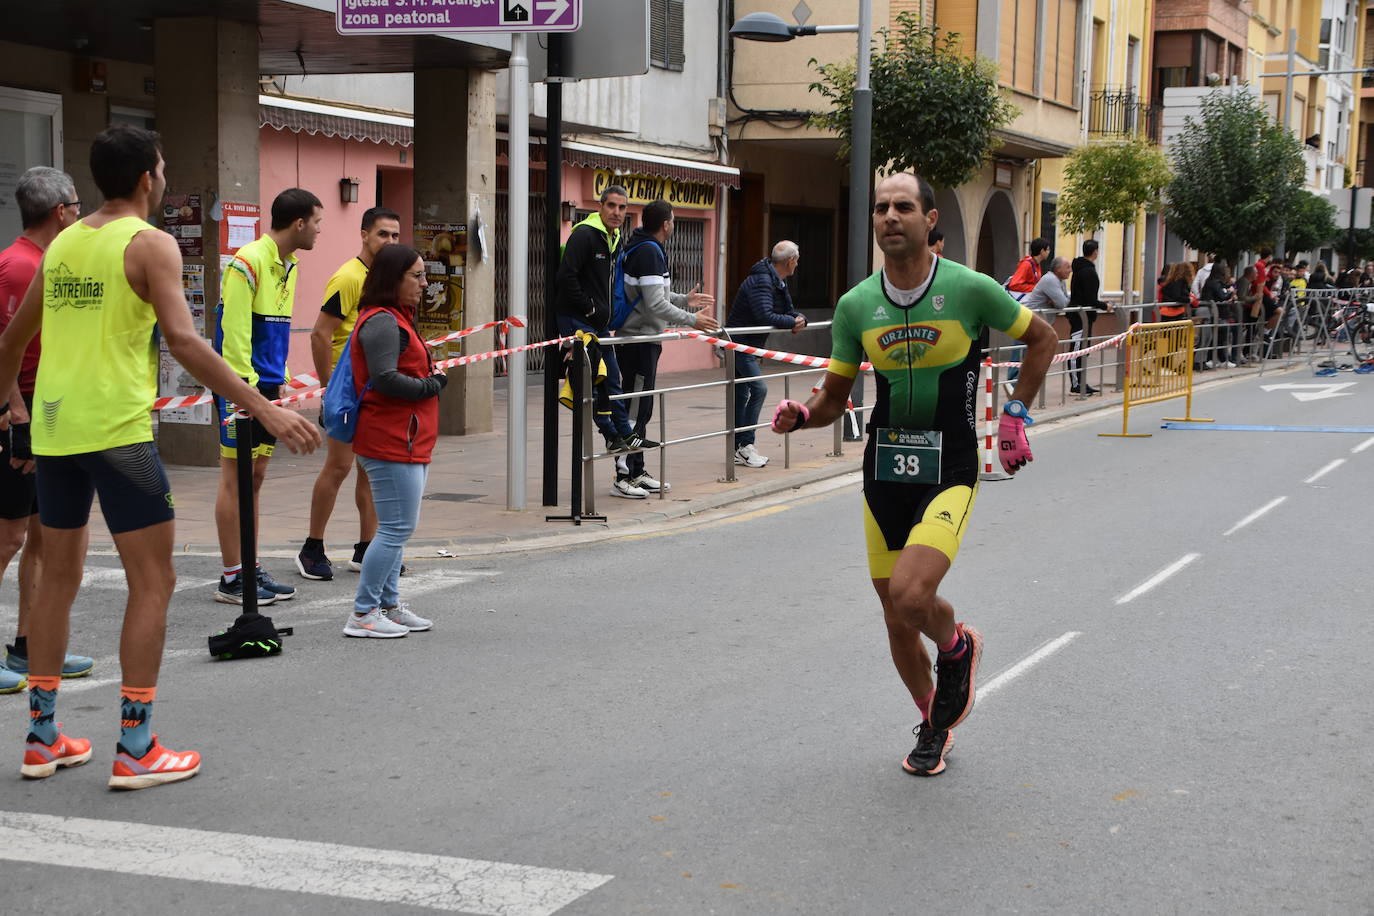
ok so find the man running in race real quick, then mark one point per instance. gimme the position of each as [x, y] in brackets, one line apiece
[381, 227]
[922, 323]
[110, 284]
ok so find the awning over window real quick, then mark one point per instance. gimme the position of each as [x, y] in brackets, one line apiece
[632, 163]
[333, 121]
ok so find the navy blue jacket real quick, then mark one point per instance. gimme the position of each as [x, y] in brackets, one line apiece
[762, 300]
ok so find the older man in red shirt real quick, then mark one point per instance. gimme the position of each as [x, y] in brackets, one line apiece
[47, 205]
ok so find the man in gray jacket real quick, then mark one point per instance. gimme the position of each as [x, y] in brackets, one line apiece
[656, 308]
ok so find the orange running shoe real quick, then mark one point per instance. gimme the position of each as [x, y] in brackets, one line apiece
[42, 760]
[154, 768]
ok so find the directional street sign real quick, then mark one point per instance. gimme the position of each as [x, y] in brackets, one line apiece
[427, 17]
[1305, 392]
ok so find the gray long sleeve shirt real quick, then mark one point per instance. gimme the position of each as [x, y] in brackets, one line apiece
[382, 341]
[1049, 295]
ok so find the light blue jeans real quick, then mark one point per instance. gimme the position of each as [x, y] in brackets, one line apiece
[397, 487]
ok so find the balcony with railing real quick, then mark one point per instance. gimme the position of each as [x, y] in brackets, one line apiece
[1118, 114]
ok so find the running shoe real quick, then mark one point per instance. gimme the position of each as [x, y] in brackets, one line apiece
[374, 624]
[313, 564]
[636, 442]
[615, 445]
[283, 592]
[650, 484]
[232, 592]
[360, 548]
[72, 665]
[401, 614]
[622, 487]
[954, 683]
[12, 681]
[749, 457]
[928, 757]
[154, 768]
[42, 760]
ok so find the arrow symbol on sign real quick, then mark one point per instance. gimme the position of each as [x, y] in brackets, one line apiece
[558, 7]
[1332, 390]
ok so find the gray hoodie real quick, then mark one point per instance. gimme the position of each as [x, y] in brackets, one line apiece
[646, 273]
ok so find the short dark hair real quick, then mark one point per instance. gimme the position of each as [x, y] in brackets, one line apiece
[291, 205]
[934, 236]
[614, 189]
[1038, 245]
[1266, 251]
[655, 215]
[120, 155]
[383, 283]
[1089, 246]
[372, 214]
[923, 190]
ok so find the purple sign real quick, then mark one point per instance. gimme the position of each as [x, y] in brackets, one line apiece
[395, 17]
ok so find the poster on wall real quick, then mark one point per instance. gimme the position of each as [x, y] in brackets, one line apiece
[444, 248]
[239, 225]
[181, 218]
[172, 379]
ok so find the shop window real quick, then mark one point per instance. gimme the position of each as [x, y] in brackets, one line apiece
[686, 250]
[30, 135]
[666, 34]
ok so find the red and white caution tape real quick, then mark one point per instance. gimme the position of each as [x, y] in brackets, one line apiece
[798, 359]
[1075, 354]
[310, 380]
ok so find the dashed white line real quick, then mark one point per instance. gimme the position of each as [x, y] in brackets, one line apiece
[1020, 668]
[1158, 577]
[1362, 446]
[1326, 470]
[296, 866]
[1253, 515]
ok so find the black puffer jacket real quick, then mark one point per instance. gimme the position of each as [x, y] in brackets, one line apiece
[584, 274]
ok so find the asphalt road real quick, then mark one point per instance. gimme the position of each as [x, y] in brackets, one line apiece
[1175, 712]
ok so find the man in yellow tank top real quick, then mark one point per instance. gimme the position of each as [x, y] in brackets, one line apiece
[107, 282]
[381, 227]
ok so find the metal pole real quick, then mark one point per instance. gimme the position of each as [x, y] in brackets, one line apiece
[248, 542]
[553, 224]
[860, 173]
[1281, 241]
[730, 414]
[518, 198]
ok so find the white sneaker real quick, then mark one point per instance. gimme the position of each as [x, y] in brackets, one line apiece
[1208, 365]
[1009, 388]
[401, 614]
[749, 457]
[1230, 365]
[627, 490]
[649, 484]
[375, 624]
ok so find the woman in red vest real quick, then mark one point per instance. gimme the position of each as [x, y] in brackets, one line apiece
[398, 423]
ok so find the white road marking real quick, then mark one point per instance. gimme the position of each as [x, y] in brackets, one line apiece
[1253, 515]
[1326, 470]
[297, 866]
[1158, 577]
[1362, 446]
[1020, 668]
[113, 577]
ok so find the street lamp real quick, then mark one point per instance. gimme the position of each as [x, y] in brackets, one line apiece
[768, 27]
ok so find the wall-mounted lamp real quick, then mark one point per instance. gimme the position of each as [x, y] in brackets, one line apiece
[568, 211]
[348, 190]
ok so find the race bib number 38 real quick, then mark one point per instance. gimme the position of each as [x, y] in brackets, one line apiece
[908, 455]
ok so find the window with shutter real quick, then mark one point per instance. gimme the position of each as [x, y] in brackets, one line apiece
[666, 34]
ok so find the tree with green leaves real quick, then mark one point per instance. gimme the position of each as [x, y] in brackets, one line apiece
[935, 110]
[1309, 223]
[1110, 183]
[1236, 174]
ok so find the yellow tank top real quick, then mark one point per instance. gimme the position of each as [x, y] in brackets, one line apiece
[98, 374]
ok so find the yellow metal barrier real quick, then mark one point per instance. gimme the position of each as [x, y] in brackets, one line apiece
[1159, 366]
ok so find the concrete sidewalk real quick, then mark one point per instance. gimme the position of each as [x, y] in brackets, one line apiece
[465, 512]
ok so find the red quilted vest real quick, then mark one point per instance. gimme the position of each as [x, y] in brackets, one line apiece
[389, 428]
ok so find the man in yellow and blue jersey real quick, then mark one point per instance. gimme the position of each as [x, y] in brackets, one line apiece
[253, 334]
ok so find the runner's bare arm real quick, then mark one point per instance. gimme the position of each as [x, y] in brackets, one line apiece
[322, 344]
[824, 408]
[25, 323]
[1041, 342]
[152, 264]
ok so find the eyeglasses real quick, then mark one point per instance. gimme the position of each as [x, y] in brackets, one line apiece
[417, 274]
[72, 203]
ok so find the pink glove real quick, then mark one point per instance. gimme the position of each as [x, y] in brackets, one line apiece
[780, 427]
[1012, 447]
